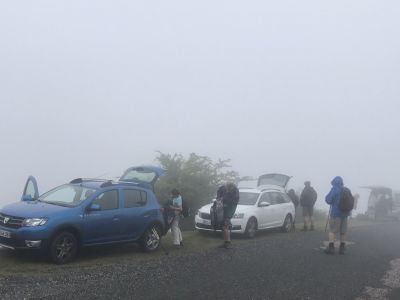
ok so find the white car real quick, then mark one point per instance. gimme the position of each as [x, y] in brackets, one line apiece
[264, 207]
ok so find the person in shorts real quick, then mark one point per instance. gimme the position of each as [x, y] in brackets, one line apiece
[338, 218]
[308, 198]
[230, 199]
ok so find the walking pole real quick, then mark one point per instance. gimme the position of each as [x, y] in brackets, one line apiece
[329, 216]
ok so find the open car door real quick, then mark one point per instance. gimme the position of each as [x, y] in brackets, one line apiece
[274, 179]
[31, 191]
[147, 175]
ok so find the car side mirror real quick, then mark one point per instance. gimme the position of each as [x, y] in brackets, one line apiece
[27, 198]
[264, 204]
[93, 207]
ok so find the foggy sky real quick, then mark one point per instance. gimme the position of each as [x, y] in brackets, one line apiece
[306, 88]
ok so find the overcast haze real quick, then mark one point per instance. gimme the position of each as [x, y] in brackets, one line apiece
[307, 88]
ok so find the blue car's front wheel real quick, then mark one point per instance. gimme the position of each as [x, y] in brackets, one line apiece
[63, 247]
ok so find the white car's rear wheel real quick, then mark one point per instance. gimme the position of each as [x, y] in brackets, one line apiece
[251, 228]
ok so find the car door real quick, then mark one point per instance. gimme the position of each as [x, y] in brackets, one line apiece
[144, 175]
[31, 191]
[265, 211]
[103, 224]
[135, 214]
[277, 208]
[281, 180]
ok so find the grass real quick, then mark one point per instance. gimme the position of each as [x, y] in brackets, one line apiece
[29, 263]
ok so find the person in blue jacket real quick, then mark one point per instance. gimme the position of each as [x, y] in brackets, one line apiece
[338, 218]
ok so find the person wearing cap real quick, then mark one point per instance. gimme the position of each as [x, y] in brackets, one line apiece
[308, 198]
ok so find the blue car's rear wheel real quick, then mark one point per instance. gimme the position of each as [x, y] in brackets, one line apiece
[151, 239]
[63, 247]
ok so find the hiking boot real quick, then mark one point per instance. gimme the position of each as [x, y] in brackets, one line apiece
[330, 249]
[226, 245]
[342, 248]
[305, 228]
[181, 244]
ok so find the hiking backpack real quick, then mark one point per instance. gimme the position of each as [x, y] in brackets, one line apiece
[217, 214]
[185, 209]
[346, 203]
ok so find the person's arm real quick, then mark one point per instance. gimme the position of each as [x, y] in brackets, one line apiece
[177, 204]
[329, 197]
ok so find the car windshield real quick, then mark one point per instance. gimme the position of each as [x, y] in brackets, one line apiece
[67, 195]
[247, 198]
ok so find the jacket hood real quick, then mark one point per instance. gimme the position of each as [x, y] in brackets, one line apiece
[337, 181]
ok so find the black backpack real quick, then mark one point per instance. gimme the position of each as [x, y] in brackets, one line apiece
[217, 214]
[185, 209]
[346, 203]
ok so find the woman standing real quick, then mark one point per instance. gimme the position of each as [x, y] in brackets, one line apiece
[177, 209]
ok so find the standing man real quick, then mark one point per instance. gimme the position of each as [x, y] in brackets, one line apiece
[338, 218]
[308, 198]
[230, 199]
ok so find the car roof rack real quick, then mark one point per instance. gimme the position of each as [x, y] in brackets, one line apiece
[107, 183]
[76, 180]
[81, 180]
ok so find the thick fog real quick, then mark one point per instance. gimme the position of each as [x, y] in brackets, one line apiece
[306, 88]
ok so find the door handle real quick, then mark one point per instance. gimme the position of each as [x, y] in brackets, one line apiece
[116, 219]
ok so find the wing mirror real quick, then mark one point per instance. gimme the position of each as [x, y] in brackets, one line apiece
[27, 198]
[93, 207]
[264, 204]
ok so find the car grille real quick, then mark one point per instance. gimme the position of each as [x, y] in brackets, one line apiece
[10, 221]
[205, 216]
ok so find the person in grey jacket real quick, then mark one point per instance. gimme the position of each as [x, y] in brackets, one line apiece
[308, 198]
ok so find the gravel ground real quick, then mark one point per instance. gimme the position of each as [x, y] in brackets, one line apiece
[273, 266]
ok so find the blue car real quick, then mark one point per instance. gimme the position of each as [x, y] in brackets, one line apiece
[85, 212]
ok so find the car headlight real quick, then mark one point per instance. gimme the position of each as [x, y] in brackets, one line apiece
[238, 216]
[34, 222]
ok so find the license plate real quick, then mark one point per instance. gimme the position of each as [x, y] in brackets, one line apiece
[206, 222]
[5, 234]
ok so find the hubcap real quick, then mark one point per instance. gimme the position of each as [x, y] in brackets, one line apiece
[153, 239]
[64, 248]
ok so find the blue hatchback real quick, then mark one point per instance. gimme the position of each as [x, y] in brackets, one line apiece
[85, 212]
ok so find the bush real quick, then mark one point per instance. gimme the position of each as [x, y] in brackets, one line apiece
[196, 177]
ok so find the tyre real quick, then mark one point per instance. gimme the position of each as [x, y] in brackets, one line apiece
[151, 239]
[251, 228]
[63, 248]
[287, 224]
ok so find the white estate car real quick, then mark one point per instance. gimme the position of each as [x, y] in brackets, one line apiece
[266, 206]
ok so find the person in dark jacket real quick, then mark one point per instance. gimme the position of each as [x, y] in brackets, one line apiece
[308, 198]
[338, 218]
[230, 199]
[295, 200]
